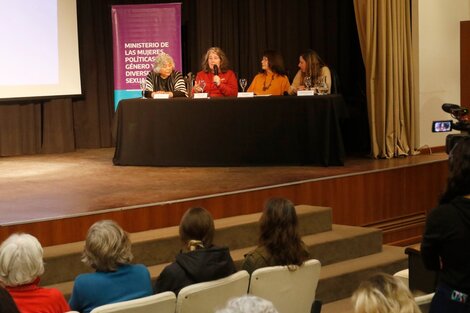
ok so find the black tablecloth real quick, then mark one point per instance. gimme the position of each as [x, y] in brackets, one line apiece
[230, 131]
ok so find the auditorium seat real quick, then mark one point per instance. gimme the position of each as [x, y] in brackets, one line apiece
[289, 291]
[347, 253]
[164, 302]
[423, 300]
[212, 295]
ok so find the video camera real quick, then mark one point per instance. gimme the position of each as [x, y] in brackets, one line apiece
[462, 124]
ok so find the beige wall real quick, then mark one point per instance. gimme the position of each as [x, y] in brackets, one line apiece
[436, 28]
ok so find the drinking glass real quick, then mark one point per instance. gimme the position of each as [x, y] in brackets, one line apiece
[143, 87]
[308, 82]
[243, 83]
[202, 85]
[321, 85]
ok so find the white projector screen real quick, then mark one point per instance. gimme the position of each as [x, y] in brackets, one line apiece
[38, 49]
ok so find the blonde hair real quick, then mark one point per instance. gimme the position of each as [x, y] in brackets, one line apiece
[383, 293]
[20, 259]
[107, 246]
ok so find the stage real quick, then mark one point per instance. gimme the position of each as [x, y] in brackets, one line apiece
[58, 196]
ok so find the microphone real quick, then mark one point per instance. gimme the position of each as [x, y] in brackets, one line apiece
[216, 69]
[454, 109]
[450, 107]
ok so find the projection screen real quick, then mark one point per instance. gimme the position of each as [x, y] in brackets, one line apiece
[38, 49]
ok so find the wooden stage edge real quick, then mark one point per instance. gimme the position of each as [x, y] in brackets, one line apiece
[57, 197]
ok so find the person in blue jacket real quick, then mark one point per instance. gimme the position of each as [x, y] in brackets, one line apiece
[108, 251]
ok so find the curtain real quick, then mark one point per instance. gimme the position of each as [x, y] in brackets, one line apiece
[384, 29]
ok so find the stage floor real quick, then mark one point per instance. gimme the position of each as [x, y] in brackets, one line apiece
[46, 187]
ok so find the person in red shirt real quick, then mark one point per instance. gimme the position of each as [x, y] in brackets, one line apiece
[21, 265]
[216, 78]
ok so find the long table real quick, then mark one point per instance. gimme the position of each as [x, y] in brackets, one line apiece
[230, 131]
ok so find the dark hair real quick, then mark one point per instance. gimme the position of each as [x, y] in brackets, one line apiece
[275, 62]
[458, 182]
[279, 232]
[197, 224]
[314, 64]
[224, 62]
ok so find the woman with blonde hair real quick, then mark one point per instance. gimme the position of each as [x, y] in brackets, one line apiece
[383, 293]
[21, 265]
[219, 80]
[199, 260]
[279, 242]
[108, 251]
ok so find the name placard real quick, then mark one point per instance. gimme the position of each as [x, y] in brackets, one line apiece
[200, 95]
[305, 93]
[245, 94]
[161, 96]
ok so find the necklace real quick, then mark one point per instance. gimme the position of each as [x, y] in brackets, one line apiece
[264, 84]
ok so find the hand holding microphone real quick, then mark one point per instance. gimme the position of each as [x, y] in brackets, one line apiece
[216, 79]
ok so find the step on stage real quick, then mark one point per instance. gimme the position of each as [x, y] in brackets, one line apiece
[57, 197]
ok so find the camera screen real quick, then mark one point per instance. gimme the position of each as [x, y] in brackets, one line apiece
[441, 126]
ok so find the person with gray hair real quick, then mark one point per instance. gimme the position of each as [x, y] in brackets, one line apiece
[164, 79]
[21, 265]
[108, 251]
[248, 304]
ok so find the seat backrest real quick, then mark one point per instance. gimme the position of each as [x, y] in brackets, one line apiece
[424, 302]
[212, 295]
[335, 82]
[164, 302]
[289, 291]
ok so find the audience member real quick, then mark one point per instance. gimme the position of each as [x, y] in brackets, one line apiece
[199, 260]
[272, 80]
[248, 304]
[310, 65]
[7, 304]
[164, 79]
[383, 293]
[279, 242]
[108, 251]
[218, 79]
[21, 265]
[446, 233]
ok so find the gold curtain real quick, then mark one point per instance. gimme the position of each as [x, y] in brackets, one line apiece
[384, 28]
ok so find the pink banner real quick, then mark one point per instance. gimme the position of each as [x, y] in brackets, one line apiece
[140, 32]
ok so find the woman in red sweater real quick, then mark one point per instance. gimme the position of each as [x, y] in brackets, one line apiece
[218, 79]
[21, 265]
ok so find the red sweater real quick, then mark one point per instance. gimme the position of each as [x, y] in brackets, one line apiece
[31, 298]
[228, 84]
